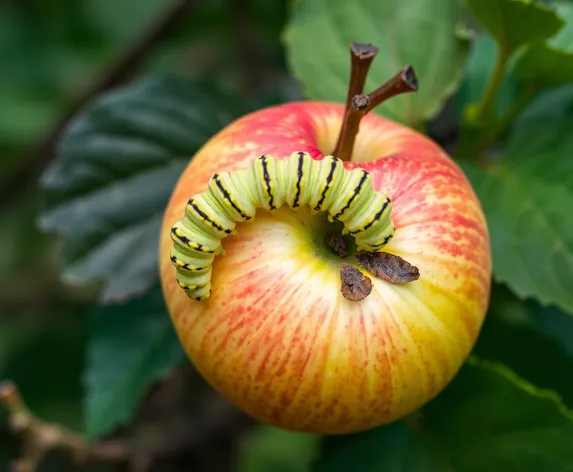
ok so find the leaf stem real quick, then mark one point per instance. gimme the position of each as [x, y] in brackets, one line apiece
[359, 105]
[516, 108]
[505, 122]
[493, 85]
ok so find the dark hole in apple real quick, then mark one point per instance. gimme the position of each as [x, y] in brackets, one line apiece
[338, 244]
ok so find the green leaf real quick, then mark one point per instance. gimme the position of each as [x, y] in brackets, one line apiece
[129, 346]
[555, 102]
[486, 419]
[479, 69]
[394, 448]
[490, 419]
[557, 324]
[550, 321]
[117, 166]
[545, 66]
[269, 449]
[514, 23]
[531, 232]
[564, 38]
[549, 64]
[541, 149]
[418, 32]
[530, 352]
[549, 104]
[527, 200]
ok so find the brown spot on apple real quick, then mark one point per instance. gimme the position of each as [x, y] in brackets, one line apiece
[355, 285]
[389, 267]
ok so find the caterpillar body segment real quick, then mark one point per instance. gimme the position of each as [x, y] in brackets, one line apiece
[238, 181]
[194, 239]
[329, 178]
[229, 198]
[268, 183]
[264, 187]
[357, 185]
[195, 281]
[202, 210]
[197, 292]
[189, 261]
[299, 167]
[267, 177]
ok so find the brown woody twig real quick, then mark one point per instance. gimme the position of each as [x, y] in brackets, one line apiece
[41, 437]
[215, 421]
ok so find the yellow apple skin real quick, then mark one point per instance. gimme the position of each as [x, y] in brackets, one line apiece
[277, 338]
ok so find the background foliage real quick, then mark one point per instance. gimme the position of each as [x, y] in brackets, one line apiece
[91, 346]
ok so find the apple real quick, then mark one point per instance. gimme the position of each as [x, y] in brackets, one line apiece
[277, 337]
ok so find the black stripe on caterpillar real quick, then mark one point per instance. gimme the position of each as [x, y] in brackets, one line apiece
[233, 197]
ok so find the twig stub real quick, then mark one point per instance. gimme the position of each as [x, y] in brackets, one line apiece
[363, 50]
[389, 267]
[361, 57]
[404, 81]
[410, 78]
[355, 286]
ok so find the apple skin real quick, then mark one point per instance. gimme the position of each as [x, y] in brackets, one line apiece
[277, 338]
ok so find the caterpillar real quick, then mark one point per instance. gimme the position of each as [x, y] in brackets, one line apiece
[269, 183]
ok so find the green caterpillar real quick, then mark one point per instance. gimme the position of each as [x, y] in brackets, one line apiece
[232, 197]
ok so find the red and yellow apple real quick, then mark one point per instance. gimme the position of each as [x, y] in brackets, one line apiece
[277, 338]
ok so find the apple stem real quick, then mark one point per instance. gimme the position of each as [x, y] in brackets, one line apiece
[358, 105]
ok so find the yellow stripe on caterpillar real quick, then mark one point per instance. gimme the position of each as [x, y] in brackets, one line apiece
[193, 238]
[191, 263]
[268, 183]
